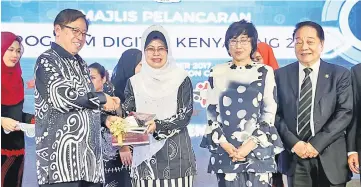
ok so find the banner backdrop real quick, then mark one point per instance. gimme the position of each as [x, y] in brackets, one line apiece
[196, 29]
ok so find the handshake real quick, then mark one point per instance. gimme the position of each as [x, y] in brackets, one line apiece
[112, 104]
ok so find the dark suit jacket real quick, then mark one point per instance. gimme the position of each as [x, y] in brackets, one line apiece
[332, 114]
[354, 130]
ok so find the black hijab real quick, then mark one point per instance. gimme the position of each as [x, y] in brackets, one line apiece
[124, 70]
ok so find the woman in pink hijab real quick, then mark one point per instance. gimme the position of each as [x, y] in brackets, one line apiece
[12, 99]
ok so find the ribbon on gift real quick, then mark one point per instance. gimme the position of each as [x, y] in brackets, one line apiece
[121, 127]
[118, 129]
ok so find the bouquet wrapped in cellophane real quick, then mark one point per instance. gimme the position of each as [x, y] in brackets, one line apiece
[131, 130]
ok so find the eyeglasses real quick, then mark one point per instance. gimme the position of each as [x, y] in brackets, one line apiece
[243, 41]
[76, 31]
[152, 50]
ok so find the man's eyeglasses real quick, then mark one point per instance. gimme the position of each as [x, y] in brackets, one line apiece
[76, 31]
[243, 41]
[152, 50]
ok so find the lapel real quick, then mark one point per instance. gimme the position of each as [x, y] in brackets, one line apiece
[293, 77]
[323, 80]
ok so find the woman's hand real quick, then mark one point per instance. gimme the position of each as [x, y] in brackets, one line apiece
[110, 119]
[244, 150]
[240, 155]
[229, 148]
[112, 103]
[9, 124]
[125, 156]
[151, 126]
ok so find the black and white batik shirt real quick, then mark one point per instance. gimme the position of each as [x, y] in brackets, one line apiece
[67, 119]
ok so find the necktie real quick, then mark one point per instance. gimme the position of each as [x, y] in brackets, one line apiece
[304, 107]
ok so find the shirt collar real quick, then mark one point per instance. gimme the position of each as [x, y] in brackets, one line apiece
[248, 66]
[61, 51]
[315, 67]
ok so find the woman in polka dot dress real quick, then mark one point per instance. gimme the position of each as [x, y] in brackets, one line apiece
[241, 109]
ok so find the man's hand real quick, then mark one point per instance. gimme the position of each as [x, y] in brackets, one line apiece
[151, 126]
[118, 108]
[311, 151]
[9, 124]
[112, 103]
[300, 149]
[353, 163]
[125, 156]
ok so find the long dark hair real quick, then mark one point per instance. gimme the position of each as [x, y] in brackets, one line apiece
[124, 70]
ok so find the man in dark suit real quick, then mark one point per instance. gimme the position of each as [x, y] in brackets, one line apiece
[315, 108]
[353, 131]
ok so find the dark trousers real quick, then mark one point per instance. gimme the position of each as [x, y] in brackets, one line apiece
[277, 180]
[116, 174]
[12, 170]
[277, 177]
[73, 184]
[310, 173]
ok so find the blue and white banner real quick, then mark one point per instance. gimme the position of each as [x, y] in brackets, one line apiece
[196, 30]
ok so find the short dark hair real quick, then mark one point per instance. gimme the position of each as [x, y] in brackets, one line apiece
[67, 16]
[242, 27]
[101, 70]
[316, 26]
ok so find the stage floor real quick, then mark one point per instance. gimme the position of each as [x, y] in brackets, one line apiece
[354, 183]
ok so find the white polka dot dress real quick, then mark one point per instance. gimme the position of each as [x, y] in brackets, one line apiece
[241, 105]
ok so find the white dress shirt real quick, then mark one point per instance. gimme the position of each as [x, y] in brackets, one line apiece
[313, 76]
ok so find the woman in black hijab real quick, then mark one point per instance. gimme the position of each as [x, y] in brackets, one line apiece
[117, 167]
[128, 65]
